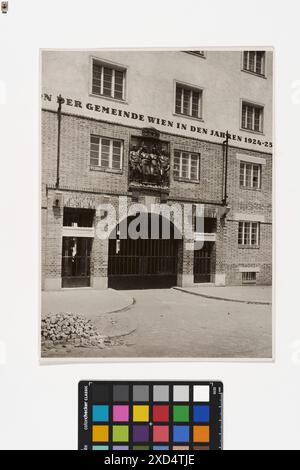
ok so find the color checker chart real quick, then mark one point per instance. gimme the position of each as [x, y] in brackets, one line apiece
[156, 416]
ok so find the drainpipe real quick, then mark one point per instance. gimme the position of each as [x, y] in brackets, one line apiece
[60, 101]
[225, 156]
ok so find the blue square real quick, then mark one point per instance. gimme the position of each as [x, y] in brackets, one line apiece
[160, 447]
[181, 433]
[201, 413]
[100, 413]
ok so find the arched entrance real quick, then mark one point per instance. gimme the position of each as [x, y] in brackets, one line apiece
[145, 261]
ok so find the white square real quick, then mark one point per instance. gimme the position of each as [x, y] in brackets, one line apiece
[201, 393]
[181, 393]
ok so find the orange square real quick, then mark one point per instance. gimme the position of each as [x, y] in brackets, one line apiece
[201, 434]
[100, 433]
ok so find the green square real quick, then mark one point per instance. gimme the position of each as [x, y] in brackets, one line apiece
[181, 413]
[140, 448]
[120, 433]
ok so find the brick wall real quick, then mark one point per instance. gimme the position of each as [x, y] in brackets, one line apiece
[75, 174]
[75, 169]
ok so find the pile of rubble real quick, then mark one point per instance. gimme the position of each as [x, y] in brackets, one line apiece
[67, 328]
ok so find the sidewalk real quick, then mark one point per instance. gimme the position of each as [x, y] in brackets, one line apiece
[106, 308]
[260, 295]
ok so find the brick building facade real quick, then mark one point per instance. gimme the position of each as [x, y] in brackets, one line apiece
[104, 132]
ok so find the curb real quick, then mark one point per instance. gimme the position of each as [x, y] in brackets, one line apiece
[250, 302]
[122, 309]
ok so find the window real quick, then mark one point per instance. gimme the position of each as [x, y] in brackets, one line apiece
[106, 153]
[254, 61]
[249, 277]
[188, 101]
[250, 175]
[248, 234]
[78, 217]
[209, 224]
[108, 81]
[186, 165]
[252, 117]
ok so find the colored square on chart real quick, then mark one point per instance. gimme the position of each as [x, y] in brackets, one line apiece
[201, 448]
[201, 434]
[181, 393]
[180, 447]
[120, 413]
[160, 413]
[140, 413]
[140, 393]
[100, 448]
[100, 413]
[140, 433]
[100, 393]
[201, 393]
[161, 393]
[160, 447]
[120, 447]
[161, 434]
[201, 413]
[181, 433]
[181, 413]
[100, 433]
[120, 393]
[120, 433]
[141, 447]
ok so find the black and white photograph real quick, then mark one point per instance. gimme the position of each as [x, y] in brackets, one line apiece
[156, 204]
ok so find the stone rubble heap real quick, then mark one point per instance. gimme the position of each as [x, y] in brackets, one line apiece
[69, 329]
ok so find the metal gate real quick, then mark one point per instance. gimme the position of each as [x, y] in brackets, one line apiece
[146, 260]
[136, 264]
[76, 253]
[204, 263]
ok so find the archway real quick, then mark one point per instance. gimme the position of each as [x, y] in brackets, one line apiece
[149, 260]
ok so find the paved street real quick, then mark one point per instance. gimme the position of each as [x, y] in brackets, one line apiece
[174, 324]
[171, 323]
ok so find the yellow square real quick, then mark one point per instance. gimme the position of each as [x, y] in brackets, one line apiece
[140, 413]
[100, 433]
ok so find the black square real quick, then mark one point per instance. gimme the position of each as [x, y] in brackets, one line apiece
[121, 392]
[100, 393]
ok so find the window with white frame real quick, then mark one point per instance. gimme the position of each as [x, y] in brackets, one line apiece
[252, 117]
[250, 175]
[188, 101]
[248, 234]
[106, 153]
[108, 80]
[186, 165]
[254, 61]
[249, 277]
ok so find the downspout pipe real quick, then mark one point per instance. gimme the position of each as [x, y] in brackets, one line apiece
[60, 101]
[225, 150]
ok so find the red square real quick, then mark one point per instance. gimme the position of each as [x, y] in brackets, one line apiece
[160, 413]
[160, 433]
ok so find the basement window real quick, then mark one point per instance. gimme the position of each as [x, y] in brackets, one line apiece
[249, 277]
